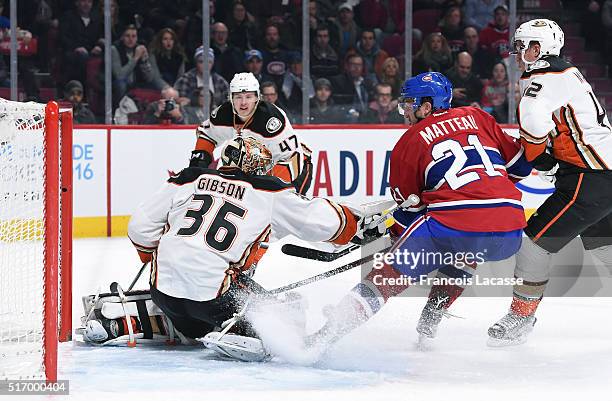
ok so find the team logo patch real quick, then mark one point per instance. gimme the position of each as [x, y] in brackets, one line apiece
[427, 78]
[539, 65]
[539, 23]
[273, 125]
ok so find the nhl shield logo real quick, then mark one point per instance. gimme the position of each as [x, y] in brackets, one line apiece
[273, 125]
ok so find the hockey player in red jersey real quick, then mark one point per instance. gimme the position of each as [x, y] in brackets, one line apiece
[461, 165]
[566, 132]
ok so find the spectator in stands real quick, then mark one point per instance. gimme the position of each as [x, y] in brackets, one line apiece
[390, 74]
[5, 23]
[166, 110]
[452, 27]
[324, 61]
[241, 27]
[117, 22]
[478, 13]
[4, 73]
[289, 28]
[322, 107]
[346, 30]
[383, 110]
[131, 65]
[372, 55]
[606, 20]
[483, 60]
[435, 55]
[467, 89]
[351, 88]
[496, 36]
[495, 94]
[167, 58]
[293, 81]
[253, 62]
[275, 54]
[80, 30]
[193, 30]
[373, 14]
[228, 58]
[193, 113]
[73, 93]
[314, 18]
[188, 84]
[269, 92]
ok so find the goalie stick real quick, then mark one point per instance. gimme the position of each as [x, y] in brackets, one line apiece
[325, 256]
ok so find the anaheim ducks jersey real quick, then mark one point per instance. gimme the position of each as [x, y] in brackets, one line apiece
[204, 225]
[558, 108]
[268, 124]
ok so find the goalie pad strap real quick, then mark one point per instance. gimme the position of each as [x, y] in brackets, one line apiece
[143, 315]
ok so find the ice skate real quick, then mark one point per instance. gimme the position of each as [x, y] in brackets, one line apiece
[511, 329]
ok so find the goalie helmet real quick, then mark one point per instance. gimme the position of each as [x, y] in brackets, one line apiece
[247, 154]
[544, 31]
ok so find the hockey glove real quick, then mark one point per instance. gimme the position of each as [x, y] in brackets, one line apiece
[200, 158]
[368, 229]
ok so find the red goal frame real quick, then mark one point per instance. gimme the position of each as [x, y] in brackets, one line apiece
[57, 248]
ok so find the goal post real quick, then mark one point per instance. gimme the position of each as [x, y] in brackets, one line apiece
[35, 237]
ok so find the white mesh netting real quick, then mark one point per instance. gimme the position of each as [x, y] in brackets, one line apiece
[22, 180]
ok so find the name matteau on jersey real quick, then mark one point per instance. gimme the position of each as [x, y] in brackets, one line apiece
[579, 129]
[454, 161]
[269, 125]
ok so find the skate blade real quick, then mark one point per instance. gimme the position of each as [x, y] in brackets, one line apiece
[246, 349]
[506, 342]
[425, 343]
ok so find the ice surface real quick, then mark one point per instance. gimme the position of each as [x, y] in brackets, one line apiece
[569, 354]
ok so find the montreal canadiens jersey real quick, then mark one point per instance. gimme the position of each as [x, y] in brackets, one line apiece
[462, 166]
[269, 125]
[205, 223]
[558, 107]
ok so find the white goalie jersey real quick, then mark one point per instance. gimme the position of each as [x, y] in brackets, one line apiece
[558, 108]
[204, 224]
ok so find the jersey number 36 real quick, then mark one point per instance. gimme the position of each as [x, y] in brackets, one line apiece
[221, 232]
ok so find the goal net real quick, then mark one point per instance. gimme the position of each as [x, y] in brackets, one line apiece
[35, 237]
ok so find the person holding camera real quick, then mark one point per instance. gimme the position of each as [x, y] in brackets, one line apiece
[166, 110]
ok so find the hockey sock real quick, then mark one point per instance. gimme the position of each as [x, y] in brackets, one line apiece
[364, 301]
[450, 292]
[532, 265]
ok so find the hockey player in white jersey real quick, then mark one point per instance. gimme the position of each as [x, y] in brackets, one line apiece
[567, 135]
[203, 230]
[246, 114]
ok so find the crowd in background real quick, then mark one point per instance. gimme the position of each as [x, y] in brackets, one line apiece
[356, 55]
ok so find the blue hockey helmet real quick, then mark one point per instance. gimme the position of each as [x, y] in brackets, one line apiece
[429, 84]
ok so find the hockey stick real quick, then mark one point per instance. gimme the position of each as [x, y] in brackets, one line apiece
[315, 254]
[137, 276]
[327, 274]
[324, 256]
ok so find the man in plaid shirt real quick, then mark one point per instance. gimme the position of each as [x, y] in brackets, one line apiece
[187, 85]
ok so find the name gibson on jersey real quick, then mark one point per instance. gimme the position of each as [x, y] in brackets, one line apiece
[221, 187]
[448, 126]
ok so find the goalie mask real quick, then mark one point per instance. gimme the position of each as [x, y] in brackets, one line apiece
[247, 154]
[544, 31]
